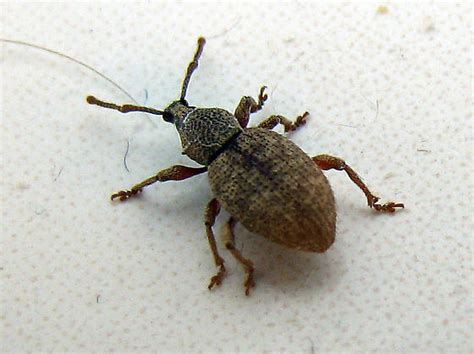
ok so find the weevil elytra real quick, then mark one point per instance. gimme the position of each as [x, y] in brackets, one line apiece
[261, 178]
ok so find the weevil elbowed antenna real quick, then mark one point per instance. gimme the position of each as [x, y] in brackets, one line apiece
[192, 67]
[126, 108]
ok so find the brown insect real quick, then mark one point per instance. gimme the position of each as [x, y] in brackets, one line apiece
[260, 177]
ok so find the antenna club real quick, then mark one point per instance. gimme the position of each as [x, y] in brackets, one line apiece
[91, 100]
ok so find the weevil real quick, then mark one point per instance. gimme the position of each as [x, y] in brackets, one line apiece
[264, 180]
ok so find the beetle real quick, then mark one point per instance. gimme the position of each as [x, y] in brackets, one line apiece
[265, 181]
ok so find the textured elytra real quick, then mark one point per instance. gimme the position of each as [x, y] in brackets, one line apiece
[204, 131]
[274, 189]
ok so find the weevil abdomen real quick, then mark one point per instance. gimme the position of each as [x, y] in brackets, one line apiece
[274, 189]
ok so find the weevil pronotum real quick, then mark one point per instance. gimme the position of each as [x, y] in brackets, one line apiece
[261, 178]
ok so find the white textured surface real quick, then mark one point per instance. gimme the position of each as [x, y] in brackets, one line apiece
[80, 273]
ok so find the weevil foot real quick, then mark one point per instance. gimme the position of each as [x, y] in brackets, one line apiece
[292, 126]
[300, 120]
[124, 195]
[217, 279]
[389, 207]
[249, 283]
[262, 97]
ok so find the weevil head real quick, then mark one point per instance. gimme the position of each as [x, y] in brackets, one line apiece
[177, 111]
[204, 132]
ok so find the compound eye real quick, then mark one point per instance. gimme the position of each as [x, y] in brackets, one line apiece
[168, 117]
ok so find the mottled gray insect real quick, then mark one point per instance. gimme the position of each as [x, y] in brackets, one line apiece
[260, 177]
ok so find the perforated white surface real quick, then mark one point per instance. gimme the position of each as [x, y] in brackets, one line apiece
[389, 90]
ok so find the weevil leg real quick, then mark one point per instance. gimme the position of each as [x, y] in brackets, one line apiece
[212, 210]
[229, 240]
[173, 173]
[327, 162]
[272, 121]
[247, 105]
[126, 108]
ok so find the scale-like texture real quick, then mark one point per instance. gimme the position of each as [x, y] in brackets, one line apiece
[274, 189]
[204, 131]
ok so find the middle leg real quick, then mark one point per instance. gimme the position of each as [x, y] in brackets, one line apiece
[229, 241]
[212, 210]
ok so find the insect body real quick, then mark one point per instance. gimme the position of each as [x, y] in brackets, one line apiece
[261, 178]
[274, 189]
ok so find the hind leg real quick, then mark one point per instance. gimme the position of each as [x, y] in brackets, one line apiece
[327, 162]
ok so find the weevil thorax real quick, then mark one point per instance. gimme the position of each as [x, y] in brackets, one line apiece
[204, 132]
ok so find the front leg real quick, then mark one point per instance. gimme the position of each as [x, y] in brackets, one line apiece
[173, 173]
[272, 121]
[247, 105]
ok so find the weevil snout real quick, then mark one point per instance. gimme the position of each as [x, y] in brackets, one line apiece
[176, 112]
